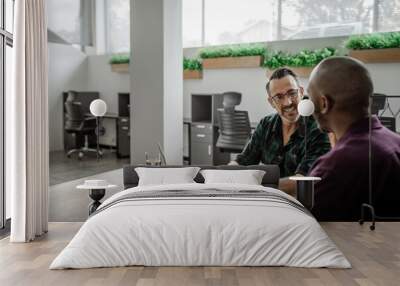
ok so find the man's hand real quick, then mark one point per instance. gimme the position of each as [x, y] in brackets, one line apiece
[288, 186]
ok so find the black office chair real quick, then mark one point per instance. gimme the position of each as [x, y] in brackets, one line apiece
[234, 125]
[379, 105]
[77, 123]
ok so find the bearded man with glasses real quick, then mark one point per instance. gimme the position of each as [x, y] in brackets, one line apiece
[280, 138]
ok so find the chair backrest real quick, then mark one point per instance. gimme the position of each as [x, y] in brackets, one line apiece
[74, 116]
[378, 102]
[230, 100]
[388, 122]
[234, 130]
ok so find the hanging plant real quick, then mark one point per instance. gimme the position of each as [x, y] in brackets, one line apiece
[192, 69]
[301, 63]
[192, 64]
[375, 48]
[233, 56]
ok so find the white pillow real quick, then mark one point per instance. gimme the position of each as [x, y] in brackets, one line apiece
[163, 176]
[248, 177]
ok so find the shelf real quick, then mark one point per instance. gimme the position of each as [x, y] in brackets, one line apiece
[233, 62]
[120, 68]
[187, 74]
[299, 71]
[391, 55]
[192, 74]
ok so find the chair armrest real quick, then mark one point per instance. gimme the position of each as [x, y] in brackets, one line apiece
[89, 118]
[89, 122]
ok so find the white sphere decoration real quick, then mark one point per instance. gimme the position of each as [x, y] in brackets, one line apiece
[98, 107]
[305, 107]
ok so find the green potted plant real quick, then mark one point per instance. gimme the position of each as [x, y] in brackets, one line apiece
[120, 63]
[192, 69]
[301, 63]
[233, 56]
[375, 48]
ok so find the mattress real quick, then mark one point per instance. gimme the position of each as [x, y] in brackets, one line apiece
[201, 225]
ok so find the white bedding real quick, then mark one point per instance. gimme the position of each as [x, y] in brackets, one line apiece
[200, 231]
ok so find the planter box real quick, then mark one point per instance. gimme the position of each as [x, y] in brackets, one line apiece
[192, 74]
[377, 55]
[299, 71]
[233, 62]
[122, 68]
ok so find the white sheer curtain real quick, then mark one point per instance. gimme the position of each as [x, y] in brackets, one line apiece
[27, 124]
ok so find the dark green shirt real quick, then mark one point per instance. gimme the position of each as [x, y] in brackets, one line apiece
[266, 146]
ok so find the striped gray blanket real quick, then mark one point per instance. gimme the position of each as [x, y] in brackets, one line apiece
[206, 194]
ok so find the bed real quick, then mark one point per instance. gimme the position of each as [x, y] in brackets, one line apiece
[198, 224]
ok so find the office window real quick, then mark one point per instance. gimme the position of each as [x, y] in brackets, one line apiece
[8, 82]
[64, 19]
[238, 21]
[388, 16]
[192, 14]
[118, 26]
[325, 18]
[9, 12]
[6, 42]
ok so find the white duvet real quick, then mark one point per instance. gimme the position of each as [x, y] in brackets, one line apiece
[194, 231]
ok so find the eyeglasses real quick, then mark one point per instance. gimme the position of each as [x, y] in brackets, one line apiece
[280, 97]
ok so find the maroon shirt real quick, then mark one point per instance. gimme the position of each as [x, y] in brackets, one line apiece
[344, 173]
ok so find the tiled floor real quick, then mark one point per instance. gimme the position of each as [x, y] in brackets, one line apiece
[64, 169]
[69, 204]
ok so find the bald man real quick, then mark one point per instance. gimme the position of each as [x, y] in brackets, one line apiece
[340, 88]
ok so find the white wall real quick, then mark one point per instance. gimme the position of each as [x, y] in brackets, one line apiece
[156, 79]
[100, 78]
[68, 69]
[386, 80]
[251, 81]
[71, 69]
[173, 82]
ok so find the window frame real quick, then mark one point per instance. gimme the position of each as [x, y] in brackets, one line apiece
[107, 30]
[6, 39]
[375, 19]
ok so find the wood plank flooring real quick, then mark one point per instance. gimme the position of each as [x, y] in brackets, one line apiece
[375, 257]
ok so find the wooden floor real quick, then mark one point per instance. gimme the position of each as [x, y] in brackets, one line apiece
[375, 257]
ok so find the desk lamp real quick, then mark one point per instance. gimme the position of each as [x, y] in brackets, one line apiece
[305, 185]
[98, 108]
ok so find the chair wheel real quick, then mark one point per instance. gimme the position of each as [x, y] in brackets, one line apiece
[68, 156]
[372, 227]
[361, 222]
[80, 155]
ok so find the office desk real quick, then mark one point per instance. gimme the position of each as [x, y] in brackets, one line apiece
[117, 126]
[108, 129]
[122, 135]
[187, 122]
[202, 139]
[117, 135]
